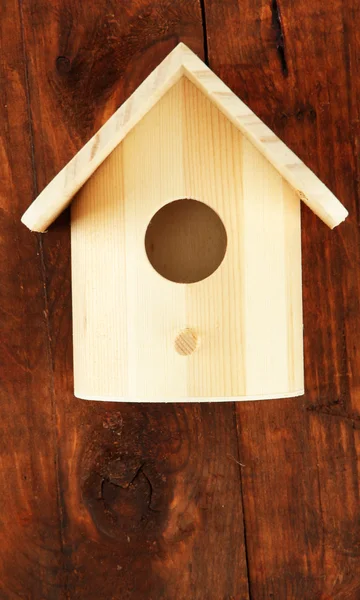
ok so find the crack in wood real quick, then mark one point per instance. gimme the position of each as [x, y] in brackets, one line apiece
[203, 23]
[335, 408]
[280, 39]
[125, 486]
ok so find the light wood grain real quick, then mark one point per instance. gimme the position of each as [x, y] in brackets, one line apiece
[98, 291]
[128, 318]
[58, 194]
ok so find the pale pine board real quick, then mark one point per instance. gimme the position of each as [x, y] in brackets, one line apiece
[247, 314]
[98, 267]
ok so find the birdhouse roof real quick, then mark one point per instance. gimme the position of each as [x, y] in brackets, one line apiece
[181, 62]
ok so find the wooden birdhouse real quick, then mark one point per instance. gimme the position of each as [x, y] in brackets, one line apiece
[186, 246]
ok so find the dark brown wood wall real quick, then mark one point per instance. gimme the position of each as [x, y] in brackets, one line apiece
[256, 500]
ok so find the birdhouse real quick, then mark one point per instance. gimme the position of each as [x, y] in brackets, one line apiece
[186, 246]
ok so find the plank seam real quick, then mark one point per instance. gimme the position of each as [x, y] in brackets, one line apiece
[238, 457]
[204, 28]
[46, 299]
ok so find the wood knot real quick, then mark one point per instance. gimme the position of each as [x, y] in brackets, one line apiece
[186, 342]
[63, 64]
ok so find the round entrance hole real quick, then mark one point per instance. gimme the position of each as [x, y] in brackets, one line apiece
[185, 241]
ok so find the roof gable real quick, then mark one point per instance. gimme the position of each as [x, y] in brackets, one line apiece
[181, 62]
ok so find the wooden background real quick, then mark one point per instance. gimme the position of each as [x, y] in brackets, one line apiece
[257, 500]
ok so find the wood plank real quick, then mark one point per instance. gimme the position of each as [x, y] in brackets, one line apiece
[98, 257]
[268, 270]
[150, 496]
[295, 65]
[30, 524]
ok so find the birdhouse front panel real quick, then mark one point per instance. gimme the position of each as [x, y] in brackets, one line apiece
[186, 264]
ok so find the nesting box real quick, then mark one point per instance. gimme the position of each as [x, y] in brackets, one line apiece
[186, 246]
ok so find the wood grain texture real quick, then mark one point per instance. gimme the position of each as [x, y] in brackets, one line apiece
[300, 461]
[146, 493]
[247, 313]
[30, 533]
[181, 61]
[301, 479]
